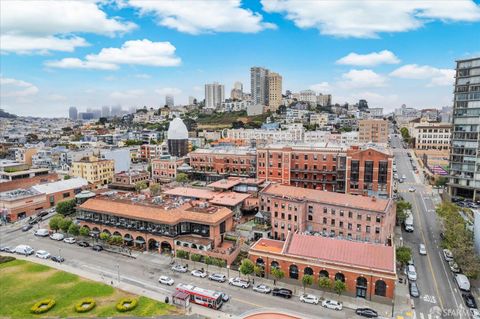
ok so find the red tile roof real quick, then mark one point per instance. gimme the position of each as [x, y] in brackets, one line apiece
[343, 251]
[229, 198]
[269, 245]
[346, 200]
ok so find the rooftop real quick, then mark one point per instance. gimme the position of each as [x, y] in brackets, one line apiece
[269, 245]
[18, 194]
[233, 181]
[225, 150]
[344, 200]
[216, 198]
[60, 186]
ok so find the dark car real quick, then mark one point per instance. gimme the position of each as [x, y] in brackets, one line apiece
[282, 292]
[83, 244]
[7, 249]
[366, 312]
[41, 214]
[442, 235]
[469, 301]
[57, 259]
[27, 227]
[413, 288]
[97, 247]
[35, 220]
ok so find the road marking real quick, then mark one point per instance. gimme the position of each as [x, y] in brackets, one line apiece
[453, 290]
[428, 256]
[430, 299]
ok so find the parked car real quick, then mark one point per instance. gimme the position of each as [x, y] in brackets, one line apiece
[282, 292]
[198, 273]
[332, 304]
[166, 280]
[7, 249]
[413, 288]
[27, 227]
[70, 240]
[179, 268]
[225, 297]
[83, 244]
[24, 250]
[474, 313]
[218, 277]
[97, 247]
[57, 236]
[308, 298]
[264, 289]
[469, 301]
[411, 189]
[422, 250]
[42, 232]
[462, 282]
[454, 267]
[239, 282]
[42, 254]
[447, 254]
[57, 259]
[404, 177]
[366, 312]
[411, 273]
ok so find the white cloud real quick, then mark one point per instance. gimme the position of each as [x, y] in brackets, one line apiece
[361, 79]
[135, 52]
[170, 91]
[200, 16]
[127, 95]
[43, 26]
[56, 98]
[370, 59]
[436, 76]
[368, 18]
[143, 76]
[321, 87]
[16, 88]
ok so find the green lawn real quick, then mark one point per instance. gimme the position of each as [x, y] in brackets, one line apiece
[23, 283]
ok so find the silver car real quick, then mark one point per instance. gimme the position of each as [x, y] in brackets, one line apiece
[264, 289]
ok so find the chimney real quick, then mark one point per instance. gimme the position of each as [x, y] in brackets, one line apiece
[374, 199]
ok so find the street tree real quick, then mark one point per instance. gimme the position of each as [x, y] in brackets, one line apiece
[74, 229]
[258, 270]
[54, 222]
[277, 273]
[104, 236]
[324, 283]
[247, 267]
[139, 186]
[64, 224]
[84, 231]
[307, 280]
[339, 287]
[155, 189]
[404, 254]
[181, 178]
[66, 207]
[402, 207]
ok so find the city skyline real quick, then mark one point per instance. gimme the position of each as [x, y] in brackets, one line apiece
[134, 54]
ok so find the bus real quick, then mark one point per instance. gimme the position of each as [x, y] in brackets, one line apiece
[203, 297]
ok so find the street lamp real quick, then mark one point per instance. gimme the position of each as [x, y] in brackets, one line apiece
[118, 272]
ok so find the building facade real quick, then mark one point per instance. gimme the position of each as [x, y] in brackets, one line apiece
[164, 169]
[274, 91]
[464, 175]
[259, 85]
[214, 95]
[21, 203]
[95, 170]
[373, 131]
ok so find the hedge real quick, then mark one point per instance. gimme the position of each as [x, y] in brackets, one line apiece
[6, 259]
[89, 302]
[123, 307]
[42, 306]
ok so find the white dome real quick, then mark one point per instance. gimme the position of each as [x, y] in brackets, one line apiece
[177, 130]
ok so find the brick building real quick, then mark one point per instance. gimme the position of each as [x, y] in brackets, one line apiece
[164, 169]
[128, 180]
[21, 203]
[295, 209]
[218, 163]
[368, 270]
[373, 131]
[60, 191]
[95, 170]
[365, 171]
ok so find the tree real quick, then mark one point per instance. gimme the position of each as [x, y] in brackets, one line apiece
[247, 267]
[277, 273]
[141, 186]
[66, 207]
[258, 270]
[181, 178]
[155, 189]
[115, 240]
[402, 207]
[441, 181]
[104, 236]
[54, 223]
[195, 258]
[84, 231]
[339, 287]
[307, 280]
[64, 224]
[324, 283]
[66, 177]
[404, 254]
[74, 229]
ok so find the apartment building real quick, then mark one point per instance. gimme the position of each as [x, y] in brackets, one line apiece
[274, 91]
[150, 151]
[127, 180]
[296, 209]
[373, 131]
[95, 170]
[341, 169]
[164, 169]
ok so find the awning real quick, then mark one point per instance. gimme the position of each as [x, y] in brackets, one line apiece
[139, 241]
[128, 239]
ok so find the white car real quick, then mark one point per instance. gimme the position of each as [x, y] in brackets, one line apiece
[166, 280]
[238, 282]
[198, 273]
[179, 268]
[42, 254]
[264, 289]
[475, 313]
[404, 177]
[217, 277]
[422, 250]
[332, 304]
[57, 236]
[411, 189]
[42, 232]
[454, 267]
[70, 240]
[411, 273]
[447, 254]
[311, 299]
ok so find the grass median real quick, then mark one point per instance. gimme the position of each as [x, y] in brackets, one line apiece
[23, 283]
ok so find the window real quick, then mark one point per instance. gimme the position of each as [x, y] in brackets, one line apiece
[369, 218]
[324, 210]
[367, 230]
[359, 216]
[341, 213]
[359, 227]
[332, 222]
[377, 230]
[324, 220]
[333, 212]
[310, 217]
[65, 195]
[350, 214]
[289, 216]
[354, 171]
[378, 219]
[368, 174]
[283, 215]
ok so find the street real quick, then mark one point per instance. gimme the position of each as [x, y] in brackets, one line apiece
[439, 293]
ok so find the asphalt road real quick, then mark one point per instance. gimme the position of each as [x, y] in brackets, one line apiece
[440, 296]
[145, 270]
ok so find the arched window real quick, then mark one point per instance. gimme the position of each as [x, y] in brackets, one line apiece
[362, 282]
[274, 264]
[260, 262]
[293, 273]
[380, 288]
[324, 273]
[340, 276]
[308, 271]
[361, 287]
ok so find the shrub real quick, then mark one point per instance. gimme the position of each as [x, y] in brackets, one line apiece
[182, 254]
[6, 259]
[127, 304]
[42, 306]
[85, 305]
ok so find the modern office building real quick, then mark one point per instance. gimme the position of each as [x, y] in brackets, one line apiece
[464, 178]
[169, 100]
[259, 85]
[274, 91]
[73, 113]
[214, 95]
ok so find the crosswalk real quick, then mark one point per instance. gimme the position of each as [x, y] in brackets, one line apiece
[428, 316]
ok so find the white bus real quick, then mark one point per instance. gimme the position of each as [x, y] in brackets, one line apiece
[204, 297]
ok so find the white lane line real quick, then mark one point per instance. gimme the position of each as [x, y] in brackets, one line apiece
[448, 280]
[422, 315]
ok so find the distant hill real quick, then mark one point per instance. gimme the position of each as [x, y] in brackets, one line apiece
[7, 115]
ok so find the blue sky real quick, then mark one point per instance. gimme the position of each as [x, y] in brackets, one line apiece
[131, 52]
